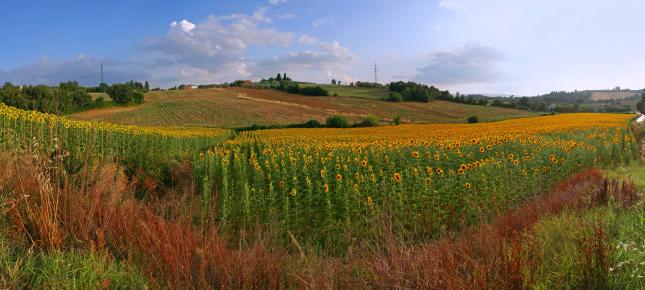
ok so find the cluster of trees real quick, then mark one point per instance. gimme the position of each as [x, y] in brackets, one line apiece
[104, 88]
[286, 84]
[66, 98]
[522, 103]
[278, 78]
[366, 85]
[480, 100]
[294, 88]
[131, 92]
[69, 97]
[415, 92]
[127, 93]
[411, 91]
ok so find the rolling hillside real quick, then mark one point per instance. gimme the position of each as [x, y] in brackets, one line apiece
[357, 92]
[614, 95]
[235, 107]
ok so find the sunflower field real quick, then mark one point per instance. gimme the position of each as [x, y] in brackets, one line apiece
[46, 133]
[332, 186]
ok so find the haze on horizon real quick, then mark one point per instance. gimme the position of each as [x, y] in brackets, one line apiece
[516, 47]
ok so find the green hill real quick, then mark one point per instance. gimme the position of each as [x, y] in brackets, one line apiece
[236, 107]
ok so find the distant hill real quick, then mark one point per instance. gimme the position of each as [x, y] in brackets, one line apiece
[238, 107]
[614, 101]
[614, 95]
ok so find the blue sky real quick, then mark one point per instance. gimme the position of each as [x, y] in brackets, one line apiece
[496, 46]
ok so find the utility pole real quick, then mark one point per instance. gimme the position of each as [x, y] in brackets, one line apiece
[375, 74]
[102, 75]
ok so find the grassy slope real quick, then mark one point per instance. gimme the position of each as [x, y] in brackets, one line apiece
[235, 107]
[346, 91]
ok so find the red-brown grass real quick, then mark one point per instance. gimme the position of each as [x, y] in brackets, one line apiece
[101, 214]
[493, 255]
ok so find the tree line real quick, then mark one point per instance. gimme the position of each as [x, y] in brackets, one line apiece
[557, 101]
[561, 102]
[415, 92]
[69, 97]
[284, 83]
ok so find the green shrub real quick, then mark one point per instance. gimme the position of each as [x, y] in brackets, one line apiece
[291, 87]
[397, 120]
[473, 119]
[100, 102]
[316, 91]
[138, 97]
[369, 121]
[313, 123]
[337, 121]
[395, 97]
[121, 93]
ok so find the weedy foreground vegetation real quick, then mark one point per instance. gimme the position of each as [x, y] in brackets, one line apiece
[504, 205]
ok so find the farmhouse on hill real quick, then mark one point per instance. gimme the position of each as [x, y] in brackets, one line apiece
[188, 87]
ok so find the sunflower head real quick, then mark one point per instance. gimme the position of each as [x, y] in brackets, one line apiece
[397, 177]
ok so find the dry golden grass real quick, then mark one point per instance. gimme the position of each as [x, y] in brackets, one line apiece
[234, 107]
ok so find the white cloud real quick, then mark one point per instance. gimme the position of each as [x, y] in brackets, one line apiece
[323, 21]
[184, 25]
[217, 40]
[277, 2]
[329, 58]
[448, 4]
[308, 40]
[470, 64]
[217, 49]
[82, 68]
